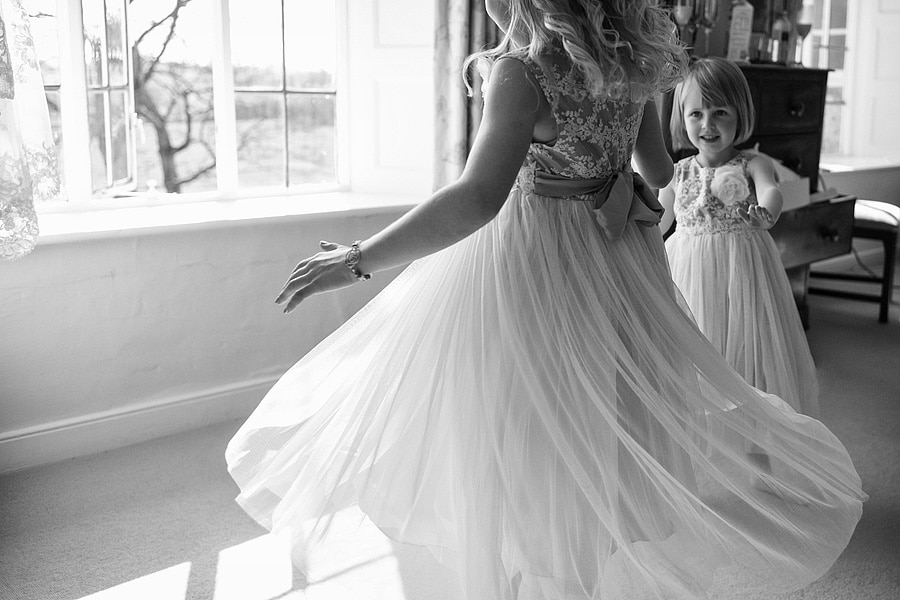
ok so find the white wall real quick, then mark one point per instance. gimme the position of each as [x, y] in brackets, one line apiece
[125, 337]
[391, 93]
[874, 86]
[112, 341]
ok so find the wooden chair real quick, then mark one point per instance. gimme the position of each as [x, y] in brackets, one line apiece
[877, 221]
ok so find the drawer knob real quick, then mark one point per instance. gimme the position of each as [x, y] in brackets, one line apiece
[831, 234]
[798, 107]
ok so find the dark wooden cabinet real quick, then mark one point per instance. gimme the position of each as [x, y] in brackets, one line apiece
[790, 109]
[808, 234]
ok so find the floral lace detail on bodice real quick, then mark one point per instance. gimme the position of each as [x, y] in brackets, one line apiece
[596, 136]
[707, 199]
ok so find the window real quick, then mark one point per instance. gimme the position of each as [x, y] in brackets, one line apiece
[191, 96]
[826, 48]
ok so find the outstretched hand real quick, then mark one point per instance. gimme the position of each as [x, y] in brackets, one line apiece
[757, 216]
[322, 272]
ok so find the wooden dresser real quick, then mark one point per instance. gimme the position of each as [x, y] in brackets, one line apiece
[790, 109]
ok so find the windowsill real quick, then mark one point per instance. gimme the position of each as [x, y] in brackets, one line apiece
[68, 226]
[834, 163]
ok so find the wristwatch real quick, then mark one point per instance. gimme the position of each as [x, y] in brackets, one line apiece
[352, 262]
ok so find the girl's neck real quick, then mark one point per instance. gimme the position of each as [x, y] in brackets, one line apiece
[711, 161]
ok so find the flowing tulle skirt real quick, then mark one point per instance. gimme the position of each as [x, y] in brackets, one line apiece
[741, 298]
[534, 406]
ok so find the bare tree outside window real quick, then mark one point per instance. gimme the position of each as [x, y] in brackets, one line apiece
[173, 94]
[141, 116]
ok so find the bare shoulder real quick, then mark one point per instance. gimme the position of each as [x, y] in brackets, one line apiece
[513, 84]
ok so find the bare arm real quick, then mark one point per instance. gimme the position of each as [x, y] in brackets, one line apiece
[650, 156]
[458, 210]
[511, 111]
[667, 199]
[768, 195]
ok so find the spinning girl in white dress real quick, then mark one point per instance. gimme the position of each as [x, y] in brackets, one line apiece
[528, 398]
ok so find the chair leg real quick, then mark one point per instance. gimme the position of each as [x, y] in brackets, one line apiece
[887, 280]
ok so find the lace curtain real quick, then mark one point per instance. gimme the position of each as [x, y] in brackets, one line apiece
[29, 163]
[462, 27]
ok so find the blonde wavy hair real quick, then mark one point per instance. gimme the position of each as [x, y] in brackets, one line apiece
[624, 48]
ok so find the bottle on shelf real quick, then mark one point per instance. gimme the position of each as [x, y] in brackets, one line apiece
[740, 31]
[781, 39]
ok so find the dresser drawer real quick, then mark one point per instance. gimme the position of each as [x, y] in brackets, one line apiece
[787, 99]
[790, 107]
[815, 232]
[798, 152]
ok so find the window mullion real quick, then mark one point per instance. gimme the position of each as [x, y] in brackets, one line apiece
[73, 100]
[223, 102]
[285, 105]
[342, 103]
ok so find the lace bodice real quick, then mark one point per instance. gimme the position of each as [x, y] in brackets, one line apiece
[698, 208]
[596, 136]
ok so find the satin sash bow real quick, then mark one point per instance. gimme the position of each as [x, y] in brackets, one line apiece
[617, 200]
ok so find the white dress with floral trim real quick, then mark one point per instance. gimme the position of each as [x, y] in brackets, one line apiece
[535, 406]
[732, 278]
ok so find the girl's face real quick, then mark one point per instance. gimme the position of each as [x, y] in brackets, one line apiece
[711, 129]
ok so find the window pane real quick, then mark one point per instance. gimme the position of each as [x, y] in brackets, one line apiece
[118, 115]
[173, 94]
[98, 150]
[260, 139]
[837, 51]
[838, 14]
[819, 54]
[94, 42]
[818, 11]
[310, 45]
[44, 30]
[115, 42]
[196, 163]
[256, 51]
[54, 107]
[311, 138]
[831, 129]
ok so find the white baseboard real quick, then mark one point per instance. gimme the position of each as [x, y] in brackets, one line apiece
[108, 430]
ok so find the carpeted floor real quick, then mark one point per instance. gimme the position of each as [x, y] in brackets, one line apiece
[158, 521]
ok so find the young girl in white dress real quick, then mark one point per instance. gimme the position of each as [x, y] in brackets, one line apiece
[721, 255]
[528, 399]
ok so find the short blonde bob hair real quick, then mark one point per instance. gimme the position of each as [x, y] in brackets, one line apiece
[721, 83]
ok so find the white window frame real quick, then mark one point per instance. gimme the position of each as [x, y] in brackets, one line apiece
[838, 78]
[74, 123]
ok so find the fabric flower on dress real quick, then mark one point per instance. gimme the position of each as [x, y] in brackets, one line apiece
[729, 185]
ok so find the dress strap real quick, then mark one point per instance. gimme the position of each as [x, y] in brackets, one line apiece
[618, 199]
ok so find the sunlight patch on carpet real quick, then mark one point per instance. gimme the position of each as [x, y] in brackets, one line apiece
[168, 584]
[258, 569]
